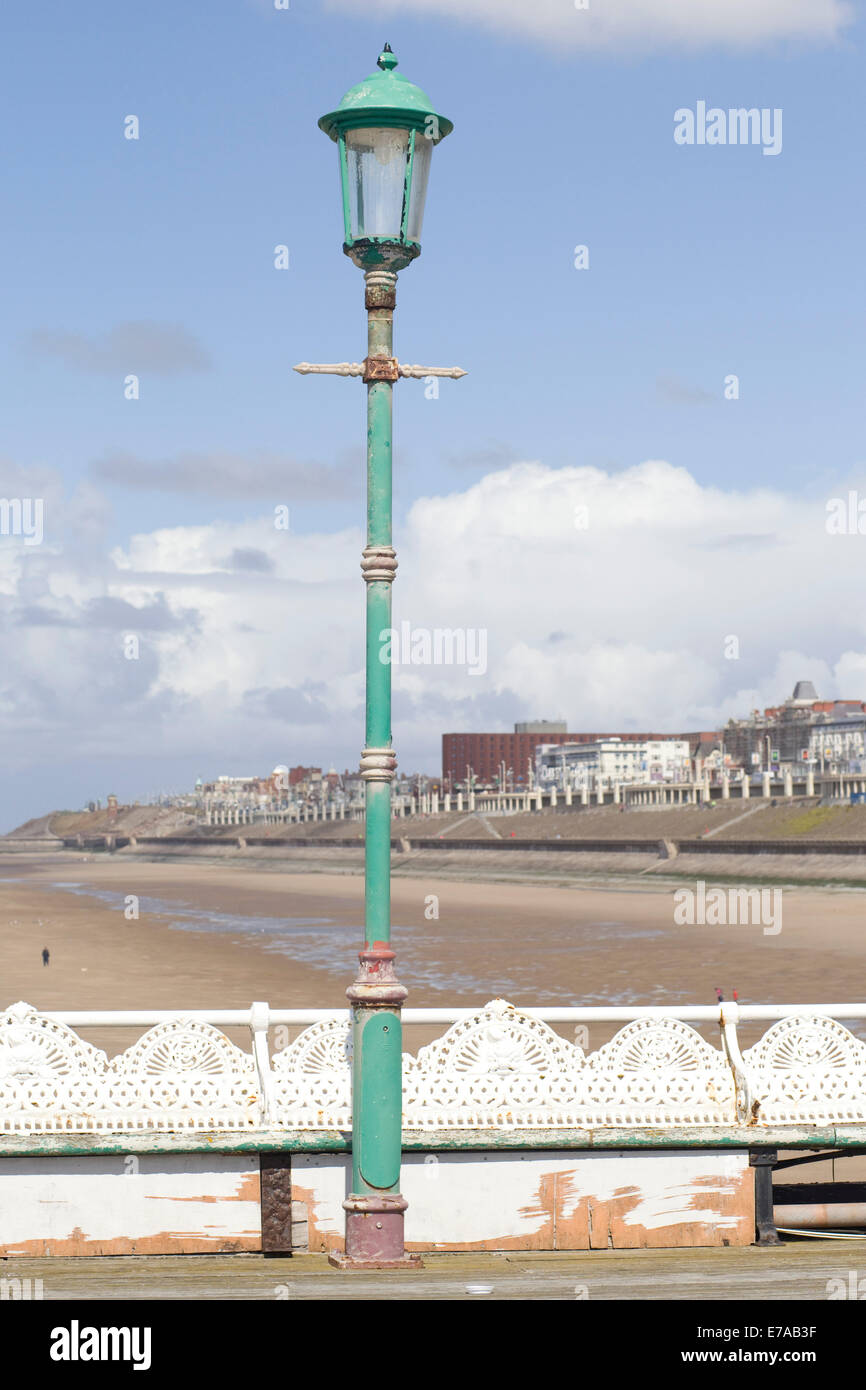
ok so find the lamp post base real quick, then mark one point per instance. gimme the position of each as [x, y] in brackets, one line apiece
[374, 1233]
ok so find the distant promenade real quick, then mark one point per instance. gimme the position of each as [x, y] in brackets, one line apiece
[790, 839]
[766, 785]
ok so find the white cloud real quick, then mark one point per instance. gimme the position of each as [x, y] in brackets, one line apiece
[632, 24]
[618, 622]
[621, 621]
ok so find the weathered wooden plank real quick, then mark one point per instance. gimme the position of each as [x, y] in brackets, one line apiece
[809, 1270]
[550, 1201]
[175, 1203]
[429, 1141]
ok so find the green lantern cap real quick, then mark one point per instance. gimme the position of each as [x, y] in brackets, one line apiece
[385, 98]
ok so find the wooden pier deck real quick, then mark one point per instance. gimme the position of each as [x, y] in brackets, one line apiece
[799, 1269]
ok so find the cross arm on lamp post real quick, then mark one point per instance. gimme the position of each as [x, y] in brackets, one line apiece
[363, 369]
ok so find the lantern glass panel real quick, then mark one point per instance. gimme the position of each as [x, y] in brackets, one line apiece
[418, 191]
[376, 167]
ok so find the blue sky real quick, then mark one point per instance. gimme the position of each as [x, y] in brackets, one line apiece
[703, 262]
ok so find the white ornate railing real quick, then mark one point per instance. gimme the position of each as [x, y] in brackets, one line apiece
[495, 1068]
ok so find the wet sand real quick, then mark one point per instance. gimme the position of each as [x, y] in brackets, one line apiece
[212, 935]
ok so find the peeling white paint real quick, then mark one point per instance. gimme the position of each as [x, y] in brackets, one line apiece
[127, 1197]
[473, 1198]
[668, 1184]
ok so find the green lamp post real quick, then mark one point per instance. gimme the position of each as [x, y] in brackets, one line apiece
[385, 129]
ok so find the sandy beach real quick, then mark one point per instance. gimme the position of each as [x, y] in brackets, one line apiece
[210, 935]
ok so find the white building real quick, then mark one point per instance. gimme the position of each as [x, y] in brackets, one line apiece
[612, 760]
[838, 744]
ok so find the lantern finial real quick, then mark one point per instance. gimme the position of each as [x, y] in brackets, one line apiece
[386, 60]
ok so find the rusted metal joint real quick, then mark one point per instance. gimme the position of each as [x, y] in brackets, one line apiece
[378, 764]
[380, 289]
[379, 562]
[377, 996]
[374, 1233]
[381, 369]
[375, 1202]
[377, 962]
[377, 984]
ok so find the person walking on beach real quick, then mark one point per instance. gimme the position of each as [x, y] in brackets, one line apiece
[45, 955]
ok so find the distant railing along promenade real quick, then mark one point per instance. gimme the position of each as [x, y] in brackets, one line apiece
[166, 844]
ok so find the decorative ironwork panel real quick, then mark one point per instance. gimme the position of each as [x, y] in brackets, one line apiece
[499, 1068]
[505, 1068]
[312, 1078]
[808, 1069]
[183, 1074]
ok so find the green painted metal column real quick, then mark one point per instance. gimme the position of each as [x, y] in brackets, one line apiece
[377, 871]
[375, 1207]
